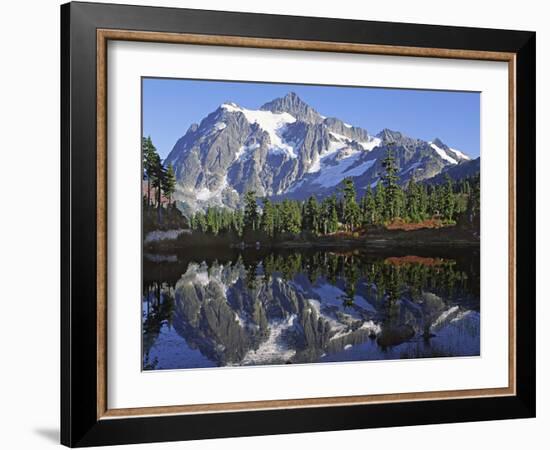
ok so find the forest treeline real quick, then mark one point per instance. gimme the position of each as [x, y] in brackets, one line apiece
[448, 203]
[384, 277]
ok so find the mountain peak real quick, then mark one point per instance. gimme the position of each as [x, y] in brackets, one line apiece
[292, 104]
[291, 98]
[292, 95]
[453, 152]
[439, 143]
[229, 106]
[286, 149]
[388, 135]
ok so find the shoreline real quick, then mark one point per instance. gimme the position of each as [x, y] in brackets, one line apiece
[379, 239]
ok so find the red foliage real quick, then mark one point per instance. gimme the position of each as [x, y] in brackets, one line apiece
[410, 259]
[400, 224]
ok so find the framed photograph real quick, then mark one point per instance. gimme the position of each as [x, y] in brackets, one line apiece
[276, 224]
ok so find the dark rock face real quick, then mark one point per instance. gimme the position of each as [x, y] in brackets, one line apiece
[467, 169]
[286, 148]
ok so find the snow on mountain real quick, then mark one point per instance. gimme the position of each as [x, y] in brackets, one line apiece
[459, 153]
[443, 154]
[448, 153]
[333, 174]
[286, 148]
[274, 348]
[205, 194]
[245, 151]
[272, 123]
[372, 143]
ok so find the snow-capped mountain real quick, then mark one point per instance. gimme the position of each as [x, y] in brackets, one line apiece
[286, 148]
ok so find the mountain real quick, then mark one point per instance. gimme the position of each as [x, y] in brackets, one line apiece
[287, 149]
[467, 169]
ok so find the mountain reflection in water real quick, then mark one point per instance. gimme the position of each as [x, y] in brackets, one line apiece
[255, 307]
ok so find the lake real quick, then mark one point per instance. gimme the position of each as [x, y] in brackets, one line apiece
[244, 307]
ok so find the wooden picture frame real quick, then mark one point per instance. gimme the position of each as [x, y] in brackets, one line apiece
[86, 418]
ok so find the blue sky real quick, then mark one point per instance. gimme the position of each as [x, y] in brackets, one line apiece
[170, 106]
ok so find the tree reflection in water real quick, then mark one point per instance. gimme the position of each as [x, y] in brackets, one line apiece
[290, 306]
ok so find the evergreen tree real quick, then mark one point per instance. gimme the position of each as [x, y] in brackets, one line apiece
[333, 222]
[447, 199]
[150, 162]
[435, 201]
[311, 215]
[328, 216]
[380, 200]
[473, 204]
[369, 208]
[423, 202]
[290, 219]
[268, 218]
[211, 221]
[350, 209]
[413, 210]
[363, 210]
[169, 183]
[237, 222]
[158, 177]
[200, 222]
[389, 179]
[251, 215]
[400, 202]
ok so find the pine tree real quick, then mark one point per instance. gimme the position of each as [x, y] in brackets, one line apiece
[333, 222]
[413, 201]
[369, 212]
[448, 200]
[150, 161]
[473, 203]
[251, 215]
[211, 221]
[423, 203]
[311, 215]
[169, 183]
[285, 216]
[380, 199]
[268, 218]
[158, 176]
[435, 201]
[389, 179]
[237, 222]
[400, 202]
[144, 162]
[200, 222]
[350, 209]
[292, 216]
[328, 216]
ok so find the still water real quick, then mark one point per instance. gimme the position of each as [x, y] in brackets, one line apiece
[258, 307]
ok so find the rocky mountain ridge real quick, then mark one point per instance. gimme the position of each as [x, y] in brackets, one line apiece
[288, 149]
